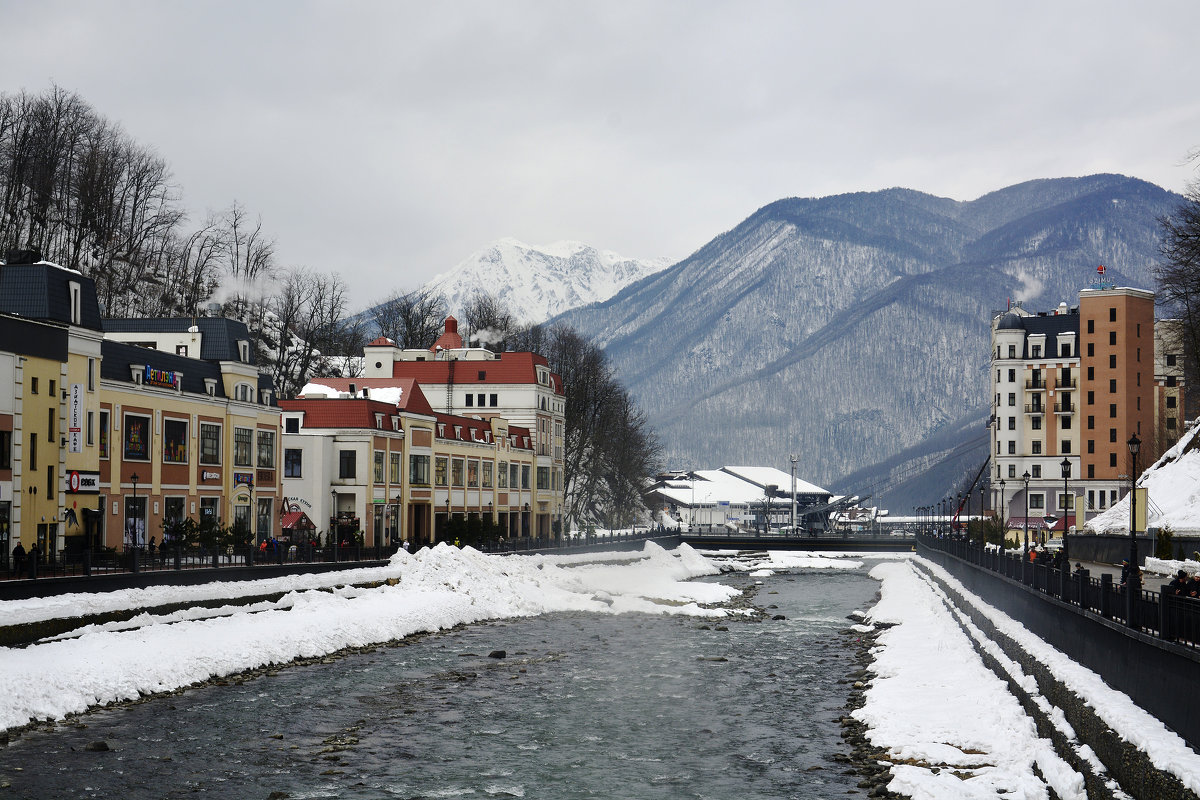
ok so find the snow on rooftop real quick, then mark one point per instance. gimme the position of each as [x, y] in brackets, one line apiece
[384, 394]
[766, 476]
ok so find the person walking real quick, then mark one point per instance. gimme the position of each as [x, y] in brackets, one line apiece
[18, 555]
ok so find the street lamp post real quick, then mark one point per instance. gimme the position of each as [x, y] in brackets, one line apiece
[982, 533]
[1133, 584]
[1025, 478]
[793, 494]
[331, 537]
[1066, 475]
[1003, 519]
[958, 508]
[133, 532]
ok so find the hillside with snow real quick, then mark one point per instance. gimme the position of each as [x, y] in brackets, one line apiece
[1172, 487]
[540, 281]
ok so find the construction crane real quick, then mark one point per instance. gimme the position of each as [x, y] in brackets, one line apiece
[966, 498]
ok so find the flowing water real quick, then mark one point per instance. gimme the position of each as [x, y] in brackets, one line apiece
[584, 706]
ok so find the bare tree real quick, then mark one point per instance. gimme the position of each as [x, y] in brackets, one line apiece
[1178, 276]
[487, 321]
[411, 320]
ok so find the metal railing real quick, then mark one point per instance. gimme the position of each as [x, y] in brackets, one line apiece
[1171, 618]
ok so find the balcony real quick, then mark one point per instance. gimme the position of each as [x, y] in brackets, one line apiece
[1035, 408]
[1035, 385]
[1068, 383]
[1064, 408]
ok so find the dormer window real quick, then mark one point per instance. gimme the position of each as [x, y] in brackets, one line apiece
[243, 351]
[244, 392]
[136, 372]
[76, 304]
[441, 430]
[458, 432]
[378, 419]
[396, 425]
[210, 387]
[266, 397]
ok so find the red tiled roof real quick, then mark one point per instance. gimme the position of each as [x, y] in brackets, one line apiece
[382, 341]
[296, 519]
[351, 412]
[480, 426]
[507, 368]
[449, 340]
[412, 399]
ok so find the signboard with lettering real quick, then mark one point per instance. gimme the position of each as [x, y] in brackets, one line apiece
[209, 475]
[165, 378]
[79, 482]
[243, 477]
[75, 420]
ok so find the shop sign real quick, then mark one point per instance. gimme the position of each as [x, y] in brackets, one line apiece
[167, 379]
[209, 475]
[243, 477]
[83, 482]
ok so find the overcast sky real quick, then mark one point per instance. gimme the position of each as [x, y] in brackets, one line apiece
[389, 140]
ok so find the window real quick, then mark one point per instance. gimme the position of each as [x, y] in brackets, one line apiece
[1112, 459]
[104, 434]
[210, 443]
[91, 428]
[1171, 401]
[1065, 446]
[32, 451]
[1112, 434]
[1012, 470]
[1037, 351]
[1012, 423]
[33, 385]
[502, 476]
[6, 449]
[457, 472]
[1037, 447]
[1112, 338]
[441, 471]
[1012, 399]
[1112, 362]
[479, 399]
[487, 474]
[291, 425]
[51, 424]
[1012, 448]
[543, 477]
[243, 441]
[378, 467]
[347, 464]
[514, 476]
[1091, 446]
[1091, 396]
[393, 468]
[1037, 500]
[1170, 357]
[1036, 471]
[91, 374]
[1112, 410]
[173, 510]
[418, 470]
[1170, 380]
[493, 400]
[1012, 351]
[1091, 350]
[1112, 315]
[209, 507]
[524, 476]
[265, 517]
[175, 441]
[1170, 423]
[473, 474]
[1036, 422]
[137, 438]
[1012, 375]
[266, 449]
[1091, 373]
[1066, 423]
[293, 462]
[1091, 326]
[1091, 423]
[470, 400]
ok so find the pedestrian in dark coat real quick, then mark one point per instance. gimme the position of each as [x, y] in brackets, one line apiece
[18, 555]
[1178, 584]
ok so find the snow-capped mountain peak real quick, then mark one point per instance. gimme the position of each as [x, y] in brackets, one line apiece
[540, 281]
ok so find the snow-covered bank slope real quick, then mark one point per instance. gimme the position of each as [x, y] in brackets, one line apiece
[435, 589]
[1172, 490]
[935, 704]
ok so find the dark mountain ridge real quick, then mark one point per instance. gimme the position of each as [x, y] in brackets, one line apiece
[853, 329]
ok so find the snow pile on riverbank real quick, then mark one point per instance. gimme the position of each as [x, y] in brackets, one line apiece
[935, 704]
[434, 589]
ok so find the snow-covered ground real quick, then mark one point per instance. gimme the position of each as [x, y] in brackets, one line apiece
[949, 723]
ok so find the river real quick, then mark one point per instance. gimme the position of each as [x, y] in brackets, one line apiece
[582, 706]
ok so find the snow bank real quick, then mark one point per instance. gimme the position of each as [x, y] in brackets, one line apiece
[436, 589]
